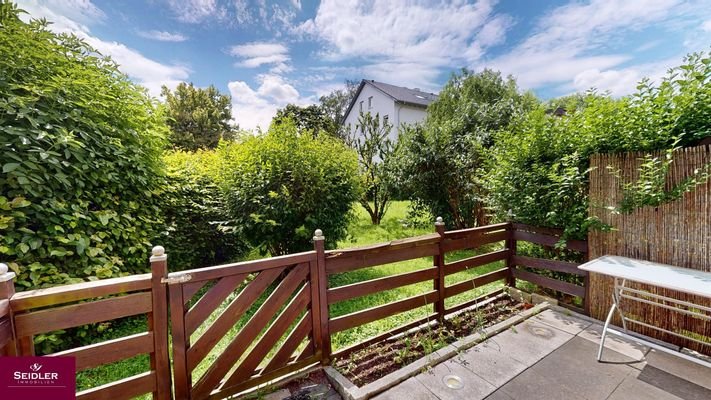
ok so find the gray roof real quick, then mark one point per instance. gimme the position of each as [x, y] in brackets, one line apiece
[414, 97]
[403, 95]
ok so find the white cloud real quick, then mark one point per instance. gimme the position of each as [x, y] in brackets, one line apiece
[569, 46]
[163, 36]
[195, 11]
[254, 109]
[148, 72]
[706, 26]
[622, 81]
[402, 41]
[261, 53]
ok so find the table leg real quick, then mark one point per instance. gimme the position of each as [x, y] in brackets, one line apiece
[617, 293]
[604, 330]
[617, 289]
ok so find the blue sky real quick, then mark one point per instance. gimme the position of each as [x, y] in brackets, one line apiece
[267, 54]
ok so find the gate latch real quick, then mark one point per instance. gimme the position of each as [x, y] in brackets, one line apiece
[174, 278]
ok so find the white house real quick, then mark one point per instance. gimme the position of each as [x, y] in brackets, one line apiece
[395, 104]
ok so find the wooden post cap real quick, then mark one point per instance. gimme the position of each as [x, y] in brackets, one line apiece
[4, 274]
[439, 221]
[158, 254]
[318, 235]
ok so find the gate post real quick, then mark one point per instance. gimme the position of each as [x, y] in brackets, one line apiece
[438, 261]
[7, 289]
[158, 323]
[182, 378]
[319, 304]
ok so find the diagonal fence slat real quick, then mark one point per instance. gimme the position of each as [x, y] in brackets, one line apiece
[210, 301]
[307, 352]
[191, 288]
[249, 332]
[292, 342]
[270, 338]
[230, 316]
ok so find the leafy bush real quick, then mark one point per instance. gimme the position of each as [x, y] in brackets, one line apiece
[281, 186]
[439, 162]
[197, 233]
[80, 159]
[540, 166]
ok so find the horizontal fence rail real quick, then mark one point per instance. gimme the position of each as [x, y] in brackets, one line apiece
[551, 239]
[244, 324]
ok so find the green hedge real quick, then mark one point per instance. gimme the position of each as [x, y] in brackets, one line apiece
[80, 159]
[198, 233]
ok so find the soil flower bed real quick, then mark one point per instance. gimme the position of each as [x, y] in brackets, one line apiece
[375, 361]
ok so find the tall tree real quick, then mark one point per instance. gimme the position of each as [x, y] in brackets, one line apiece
[311, 119]
[198, 118]
[441, 162]
[374, 149]
[335, 105]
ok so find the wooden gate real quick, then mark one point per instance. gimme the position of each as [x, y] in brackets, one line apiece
[262, 301]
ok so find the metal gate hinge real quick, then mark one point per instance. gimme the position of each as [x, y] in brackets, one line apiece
[172, 279]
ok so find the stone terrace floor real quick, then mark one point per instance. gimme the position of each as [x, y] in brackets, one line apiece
[553, 356]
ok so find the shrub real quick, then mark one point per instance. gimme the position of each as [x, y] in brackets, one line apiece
[80, 159]
[540, 166]
[281, 186]
[197, 233]
[439, 162]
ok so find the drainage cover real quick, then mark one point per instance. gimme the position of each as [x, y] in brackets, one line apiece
[453, 382]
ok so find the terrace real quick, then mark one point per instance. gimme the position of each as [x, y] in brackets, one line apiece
[552, 356]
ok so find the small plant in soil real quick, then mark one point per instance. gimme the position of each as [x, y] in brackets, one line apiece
[375, 361]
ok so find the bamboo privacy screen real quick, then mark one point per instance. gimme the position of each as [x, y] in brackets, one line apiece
[676, 233]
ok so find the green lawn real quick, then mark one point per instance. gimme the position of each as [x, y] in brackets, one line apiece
[395, 225]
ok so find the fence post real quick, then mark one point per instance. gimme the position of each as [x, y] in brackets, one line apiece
[321, 311]
[438, 261]
[511, 246]
[158, 323]
[7, 289]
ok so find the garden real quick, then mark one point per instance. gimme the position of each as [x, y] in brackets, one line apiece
[95, 173]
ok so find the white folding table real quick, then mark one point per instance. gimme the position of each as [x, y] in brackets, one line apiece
[625, 270]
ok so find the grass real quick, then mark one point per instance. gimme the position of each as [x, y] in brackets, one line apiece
[361, 232]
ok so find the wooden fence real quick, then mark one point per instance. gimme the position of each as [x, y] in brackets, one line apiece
[253, 322]
[676, 233]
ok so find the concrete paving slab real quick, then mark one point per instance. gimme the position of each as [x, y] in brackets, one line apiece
[499, 395]
[410, 389]
[562, 321]
[678, 366]
[491, 363]
[529, 341]
[533, 385]
[473, 386]
[621, 345]
[573, 366]
[633, 389]
[673, 384]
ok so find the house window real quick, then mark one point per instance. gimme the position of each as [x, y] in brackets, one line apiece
[370, 102]
[385, 119]
[361, 106]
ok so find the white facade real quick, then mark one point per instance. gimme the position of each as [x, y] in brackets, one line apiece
[374, 101]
